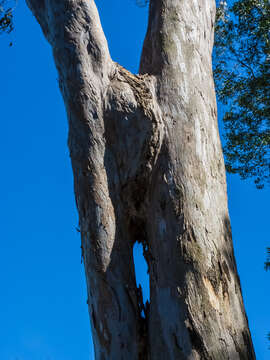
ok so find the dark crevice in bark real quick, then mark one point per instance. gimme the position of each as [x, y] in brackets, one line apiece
[198, 343]
[137, 229]
[248, 344]
[245, 348]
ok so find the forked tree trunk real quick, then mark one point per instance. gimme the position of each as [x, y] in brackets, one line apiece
[148, 167]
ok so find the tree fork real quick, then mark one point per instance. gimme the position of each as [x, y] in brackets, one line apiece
[148, 167]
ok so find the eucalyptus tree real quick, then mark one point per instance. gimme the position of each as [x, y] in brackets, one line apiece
[148, 167]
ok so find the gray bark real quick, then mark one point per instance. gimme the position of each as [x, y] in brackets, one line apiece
[148, 167]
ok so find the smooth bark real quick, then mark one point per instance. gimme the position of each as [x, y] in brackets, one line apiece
[148, 167]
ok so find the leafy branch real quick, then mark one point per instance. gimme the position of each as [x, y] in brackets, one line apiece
[242, 78]
[6, 17]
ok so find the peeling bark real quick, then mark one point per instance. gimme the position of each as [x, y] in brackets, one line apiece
[148, 167]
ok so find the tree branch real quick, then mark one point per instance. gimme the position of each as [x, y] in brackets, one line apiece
[170, 29]
[39, 11]
[73, 25]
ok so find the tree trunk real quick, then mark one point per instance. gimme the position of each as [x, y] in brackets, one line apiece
[148, 167]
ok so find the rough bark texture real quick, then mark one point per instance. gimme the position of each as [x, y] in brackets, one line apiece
[148, 167]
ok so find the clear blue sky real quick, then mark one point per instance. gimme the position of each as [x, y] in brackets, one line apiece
[43, 311]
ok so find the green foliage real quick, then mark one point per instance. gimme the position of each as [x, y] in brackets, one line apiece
[6, 17]
[242, 77]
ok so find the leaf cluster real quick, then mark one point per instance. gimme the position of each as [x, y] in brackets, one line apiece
[267, 263]
[6, 17]
[242, 77]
